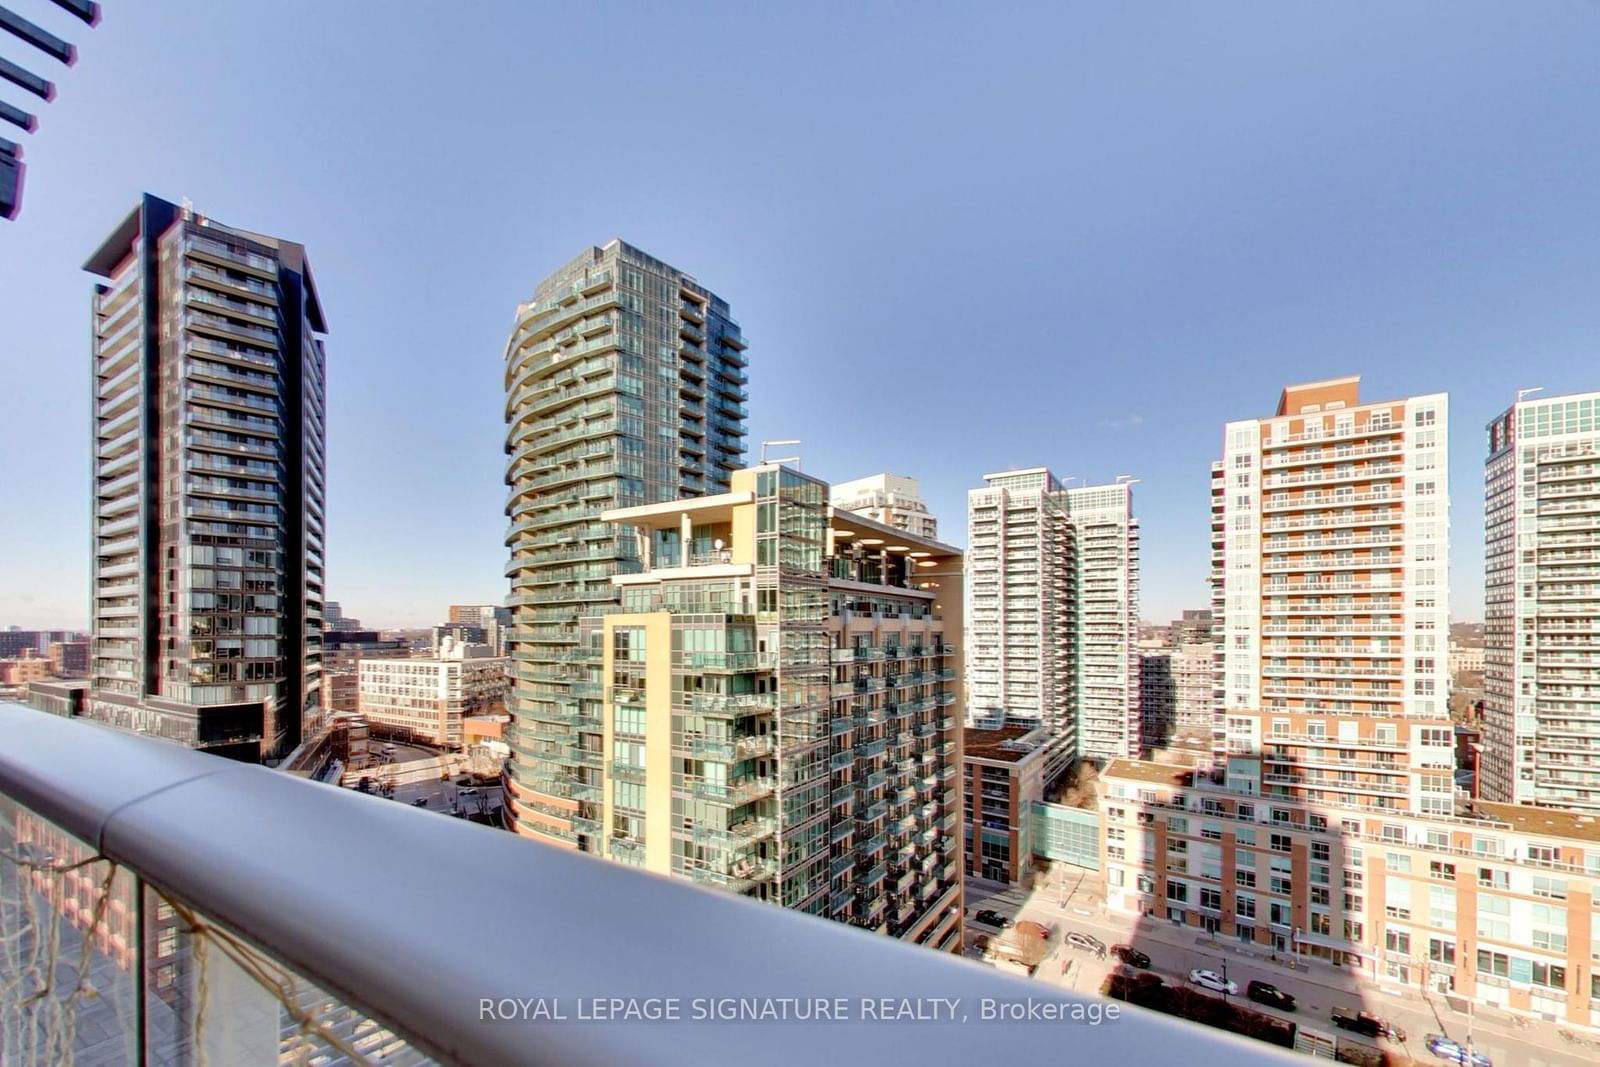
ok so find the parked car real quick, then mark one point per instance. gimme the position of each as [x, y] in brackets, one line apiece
[1270, 995]
[1085, 943]
[1454, 1051]
[420, 802]
[1365, 1022]
[1213, 981]
[1029, 928]
[1131, 956]
[993, 918]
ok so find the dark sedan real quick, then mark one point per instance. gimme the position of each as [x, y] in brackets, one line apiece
[1270, 995]
[1131, 956]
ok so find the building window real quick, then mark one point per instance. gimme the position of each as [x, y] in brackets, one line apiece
[1549, 975]
[1494, 917]
[1553, 888]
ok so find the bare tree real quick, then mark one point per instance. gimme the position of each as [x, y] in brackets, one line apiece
[1079, 792]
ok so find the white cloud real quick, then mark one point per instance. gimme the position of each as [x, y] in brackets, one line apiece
[1126, 422]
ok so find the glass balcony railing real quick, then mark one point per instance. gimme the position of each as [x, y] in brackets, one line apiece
[733, 793]
[269, 940]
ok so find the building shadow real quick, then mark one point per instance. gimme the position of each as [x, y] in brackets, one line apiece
[1248, 891]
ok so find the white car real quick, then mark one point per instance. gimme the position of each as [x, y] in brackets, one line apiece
[1213, 981]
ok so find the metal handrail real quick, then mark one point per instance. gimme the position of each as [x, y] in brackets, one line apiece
[287, 863]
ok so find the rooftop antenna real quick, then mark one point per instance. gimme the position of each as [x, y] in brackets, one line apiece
[1528, 392]
[782, 459]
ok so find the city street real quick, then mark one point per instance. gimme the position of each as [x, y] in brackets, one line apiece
[415, 775]
[1316, 986]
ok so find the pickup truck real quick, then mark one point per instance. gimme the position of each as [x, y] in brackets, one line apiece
[1366, 1023]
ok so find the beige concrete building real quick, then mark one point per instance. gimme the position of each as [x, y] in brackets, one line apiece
[19, 672]
[426, 699]
[774, 711]
[891, 499]
[1466, 659]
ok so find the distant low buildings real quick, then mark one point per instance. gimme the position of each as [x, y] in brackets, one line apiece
[1466, 659]
[16, 642]
[427, 699]
[24, 669]
[462, 633]
[69, 659]
[1193, 628]
[480, 614]
[493, 620]
[335, 618]
[344, 649]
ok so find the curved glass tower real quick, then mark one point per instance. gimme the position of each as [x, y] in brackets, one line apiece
[625, 385]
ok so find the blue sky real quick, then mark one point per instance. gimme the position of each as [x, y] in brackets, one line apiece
[960, 239]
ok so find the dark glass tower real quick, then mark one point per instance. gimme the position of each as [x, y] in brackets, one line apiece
[208, 497]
